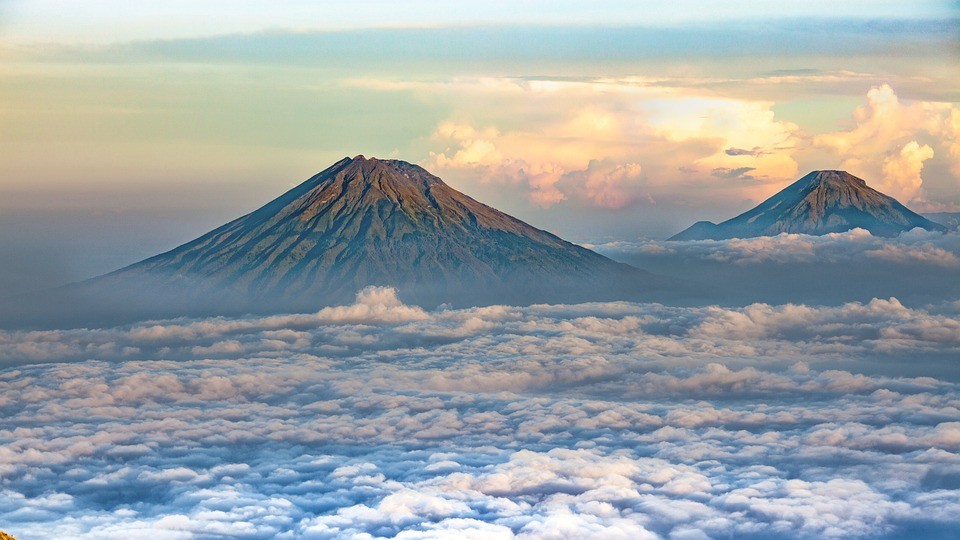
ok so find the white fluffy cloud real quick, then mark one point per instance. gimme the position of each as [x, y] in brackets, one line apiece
[381, 420]
[642, 140]
[618, 151]
[886, 142]
[917, 246]
[918, 267]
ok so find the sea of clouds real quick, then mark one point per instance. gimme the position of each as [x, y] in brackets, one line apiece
[383, 420]
[918, 267]
[915, 246]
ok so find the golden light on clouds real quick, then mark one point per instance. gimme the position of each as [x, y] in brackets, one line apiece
[890, 141]
[587, 131]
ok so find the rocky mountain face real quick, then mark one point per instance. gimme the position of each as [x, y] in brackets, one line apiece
[365, 222]
[821, 202]
[380, 222]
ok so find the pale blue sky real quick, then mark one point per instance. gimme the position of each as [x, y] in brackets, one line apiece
[107, 21]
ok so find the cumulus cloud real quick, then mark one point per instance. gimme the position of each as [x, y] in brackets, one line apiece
[373, 304]
[901, 170]
[575, 347]
[610, 186]
[884, 144]
[382, 420]
[618, 152]
[925, 253]
[577, 141]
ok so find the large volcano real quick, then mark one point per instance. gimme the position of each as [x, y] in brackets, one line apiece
[380, 222]
[362, 222]
[821, 202]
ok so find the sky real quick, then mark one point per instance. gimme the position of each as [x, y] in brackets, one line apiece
[819, 399]
[129, 128]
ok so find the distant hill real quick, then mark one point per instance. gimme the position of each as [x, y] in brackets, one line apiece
[360, 222]
[821, 202]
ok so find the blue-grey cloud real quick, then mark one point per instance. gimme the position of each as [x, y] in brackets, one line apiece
[756, 151]
[918, 267]
[739, 172]
[591, 421]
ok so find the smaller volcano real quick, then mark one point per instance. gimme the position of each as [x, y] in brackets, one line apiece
[821, 202]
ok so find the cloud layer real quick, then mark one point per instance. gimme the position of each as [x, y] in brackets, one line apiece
[917, 267]
[381, 420]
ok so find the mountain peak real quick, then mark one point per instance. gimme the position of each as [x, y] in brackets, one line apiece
[367, 221]
[821, 202]
[832, 174]
[364, 162]
[832, 177]
[382, 171]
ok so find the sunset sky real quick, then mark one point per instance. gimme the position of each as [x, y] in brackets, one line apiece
[128, 128]
[376, 357]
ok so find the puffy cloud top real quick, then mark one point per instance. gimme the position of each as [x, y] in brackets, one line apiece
[382, 420]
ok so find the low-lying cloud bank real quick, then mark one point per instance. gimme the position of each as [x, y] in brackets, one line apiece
[917, 266]
[382, 420]
[916, 246]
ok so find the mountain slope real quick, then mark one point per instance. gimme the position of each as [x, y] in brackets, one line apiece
[366, 221]
[363, 222]
[821, 202]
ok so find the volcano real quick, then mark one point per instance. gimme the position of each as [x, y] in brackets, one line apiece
[360, 222]
[821, 202]
[380, 222]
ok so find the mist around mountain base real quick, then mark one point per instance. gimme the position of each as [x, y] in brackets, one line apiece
[917, 267]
